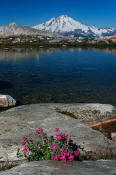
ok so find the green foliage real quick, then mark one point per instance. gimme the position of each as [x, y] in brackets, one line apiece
[60, 147]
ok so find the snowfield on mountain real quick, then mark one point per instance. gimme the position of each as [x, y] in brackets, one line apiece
[65, 25]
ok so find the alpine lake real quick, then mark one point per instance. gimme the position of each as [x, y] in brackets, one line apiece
[59, 75]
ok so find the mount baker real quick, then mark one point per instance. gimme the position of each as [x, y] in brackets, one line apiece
[65, 25]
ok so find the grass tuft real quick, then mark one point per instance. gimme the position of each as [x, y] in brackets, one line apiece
[67, 113]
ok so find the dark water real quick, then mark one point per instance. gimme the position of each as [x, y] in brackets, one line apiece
[54, 75]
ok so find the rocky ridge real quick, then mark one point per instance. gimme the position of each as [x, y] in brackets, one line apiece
[14, 29]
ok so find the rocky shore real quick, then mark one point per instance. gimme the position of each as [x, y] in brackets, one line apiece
[6, 101]
[23, 121]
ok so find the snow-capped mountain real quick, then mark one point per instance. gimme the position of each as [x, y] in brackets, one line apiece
[65, 25]
[14, 29]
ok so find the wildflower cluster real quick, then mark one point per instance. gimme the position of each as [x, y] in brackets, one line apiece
[60, 147]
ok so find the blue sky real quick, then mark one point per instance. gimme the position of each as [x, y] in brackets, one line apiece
[31, 12]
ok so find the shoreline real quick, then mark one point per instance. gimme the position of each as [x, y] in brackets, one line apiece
[58, 45]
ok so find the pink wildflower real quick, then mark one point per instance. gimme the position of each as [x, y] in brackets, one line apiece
[23, 143]
[57, 130]
[66, 153]
[54, 147]
[63, 158]
[76, 153]
[40, 129]
[63, 135]
[68, 136]
[62, 149]
[52, 158]
[25, 140]
[44, 135]
[37, 133]
[25, 150]
[57, 157]
[58, 137]
[71, 158]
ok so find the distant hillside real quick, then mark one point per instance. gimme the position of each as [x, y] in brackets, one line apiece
[14, 29]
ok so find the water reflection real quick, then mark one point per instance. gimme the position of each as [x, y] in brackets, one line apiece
[59, 75]
[15, 54]
[21, 53]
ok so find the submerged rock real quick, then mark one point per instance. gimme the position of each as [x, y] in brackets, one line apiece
[7, 101]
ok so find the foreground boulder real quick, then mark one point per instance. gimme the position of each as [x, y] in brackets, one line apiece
[60, 168]
[7, 101]
[25, 120]
[89, 114]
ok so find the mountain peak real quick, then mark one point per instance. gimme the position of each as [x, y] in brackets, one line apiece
[63, 16]
[61, 25]
[66, 25]
[12, 24]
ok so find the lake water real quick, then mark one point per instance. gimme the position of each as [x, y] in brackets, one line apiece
[55, 75]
